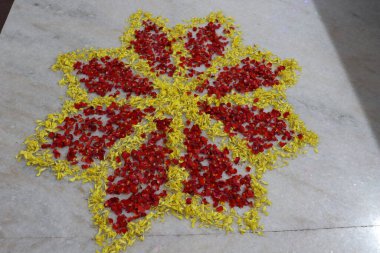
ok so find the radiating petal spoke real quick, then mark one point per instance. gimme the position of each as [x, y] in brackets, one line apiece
[153, 45]
[246, 70]
[109, 77]
[136, 186]
[85, 137]
[107, 237]
[262, 134]
[212, 174]
[201, 43]
[149, 38]
[246, 76]
[260, 129]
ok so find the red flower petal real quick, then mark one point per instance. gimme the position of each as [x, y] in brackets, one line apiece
[138, 182]
[246, 76]
[153, 45]
[112, 75]
[87, 137]
[261, 129]
[218, 179]
[203, 44]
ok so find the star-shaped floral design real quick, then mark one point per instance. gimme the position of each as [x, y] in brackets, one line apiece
[182, 121]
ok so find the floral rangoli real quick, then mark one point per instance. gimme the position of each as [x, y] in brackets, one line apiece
[181, 121]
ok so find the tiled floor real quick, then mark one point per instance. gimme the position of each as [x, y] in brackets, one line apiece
[326, 202]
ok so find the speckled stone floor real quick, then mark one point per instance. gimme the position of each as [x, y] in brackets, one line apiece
[326, 202]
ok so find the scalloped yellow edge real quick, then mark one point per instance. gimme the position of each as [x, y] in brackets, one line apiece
[172, 100]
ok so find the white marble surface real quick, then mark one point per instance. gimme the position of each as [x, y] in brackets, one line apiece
[329, 202]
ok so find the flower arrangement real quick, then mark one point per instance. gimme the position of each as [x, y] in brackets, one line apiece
[181, 120]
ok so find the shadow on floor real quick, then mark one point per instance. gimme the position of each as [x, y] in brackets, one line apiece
[354, 28]
[5, 7]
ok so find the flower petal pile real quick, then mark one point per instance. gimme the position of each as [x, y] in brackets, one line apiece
[181, 120]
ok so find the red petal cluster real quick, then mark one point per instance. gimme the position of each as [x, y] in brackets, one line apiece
[153, 45]
[261, 129]
[138, 183]
[107, 75]
[211, 173]
[244, 77]
[88, 136]
[203, 44]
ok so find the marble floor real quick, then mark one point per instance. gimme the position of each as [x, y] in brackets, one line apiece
[325, 202]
